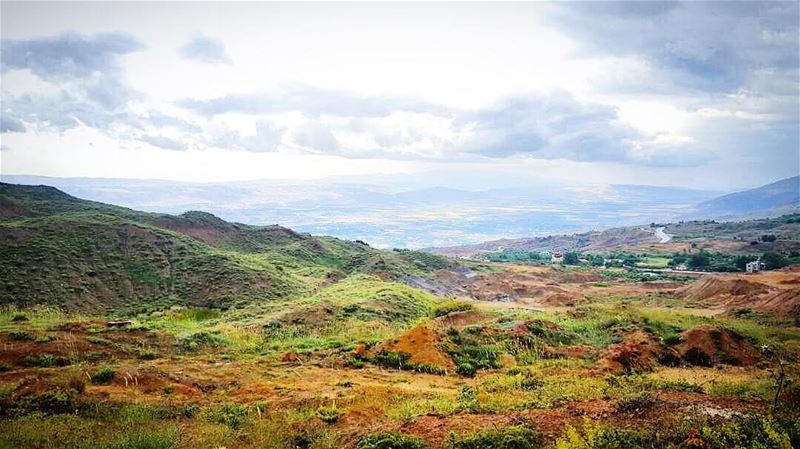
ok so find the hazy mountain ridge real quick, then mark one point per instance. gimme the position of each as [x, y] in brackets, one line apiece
[397, 214]
[778, 197]
[772, 200]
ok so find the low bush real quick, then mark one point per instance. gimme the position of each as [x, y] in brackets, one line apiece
[60, 399]
[330, 414]
[232, 415]
[390, 440]
[98, 341]
[598, 436]
[202, 339]
[391, 359]
[103, 375]
[512, 437]
[41, 360]
[635, 402]
[466, 369]
[354, 362]
[21, 335]
[401, 360]
[448, 307]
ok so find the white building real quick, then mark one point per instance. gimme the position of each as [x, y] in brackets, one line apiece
[557, 257]
[755, 266]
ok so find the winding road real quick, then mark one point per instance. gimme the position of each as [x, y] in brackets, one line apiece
[662, 236]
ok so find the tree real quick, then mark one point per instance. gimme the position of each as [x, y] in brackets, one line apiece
[571, 258]
[773, 261]
[699, 260]
[741, 262]
[768, 238]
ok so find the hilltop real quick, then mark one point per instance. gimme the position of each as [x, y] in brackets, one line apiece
[776, 198]
[85, 255]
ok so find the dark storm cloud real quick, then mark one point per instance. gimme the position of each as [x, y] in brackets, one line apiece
[712, 46]
[205, 49]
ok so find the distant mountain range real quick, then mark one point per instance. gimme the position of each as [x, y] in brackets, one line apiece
[778, 197]
[404, 215]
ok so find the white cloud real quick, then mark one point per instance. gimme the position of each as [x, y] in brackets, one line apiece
[640, 86]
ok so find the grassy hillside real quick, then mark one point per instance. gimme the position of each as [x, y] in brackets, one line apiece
[81, 255]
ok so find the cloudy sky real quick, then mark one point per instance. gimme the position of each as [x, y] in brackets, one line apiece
[691, 94]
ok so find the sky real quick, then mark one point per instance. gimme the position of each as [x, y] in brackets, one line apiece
[701, 95]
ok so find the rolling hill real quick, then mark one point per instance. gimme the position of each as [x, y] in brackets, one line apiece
[82, 255]
[779, 197]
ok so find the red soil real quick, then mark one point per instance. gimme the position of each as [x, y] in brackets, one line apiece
[422, 344]
[638, 352]
[708, 346]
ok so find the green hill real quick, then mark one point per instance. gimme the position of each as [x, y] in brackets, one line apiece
[82, 255]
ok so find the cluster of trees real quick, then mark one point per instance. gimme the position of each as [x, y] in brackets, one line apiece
[698, 261]
[711, 261]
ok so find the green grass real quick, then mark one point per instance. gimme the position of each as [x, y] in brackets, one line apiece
[90, 257]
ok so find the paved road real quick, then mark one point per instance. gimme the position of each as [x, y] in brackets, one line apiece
[662, 236]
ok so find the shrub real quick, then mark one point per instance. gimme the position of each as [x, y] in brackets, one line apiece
[746, 431]
[45, 339]
[530, 383]
[147, 355]
[390, 440]
[18, 318]
[41, 360]
[98, 341]
[448, 307]
[512, 437]
[202, 339]
[355, 363]
[56, 400]
[598, 436]
[330, 414]
[21, 335]
[103, 375]
[635, 402]
[466, 369]
[232, 415]
[391, 359]
[468, 399]
[479, 357]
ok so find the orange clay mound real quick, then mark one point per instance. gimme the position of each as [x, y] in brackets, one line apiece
[776, 293]
[421, 344]
[638, 352]
[709, 346]
[715, 287]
